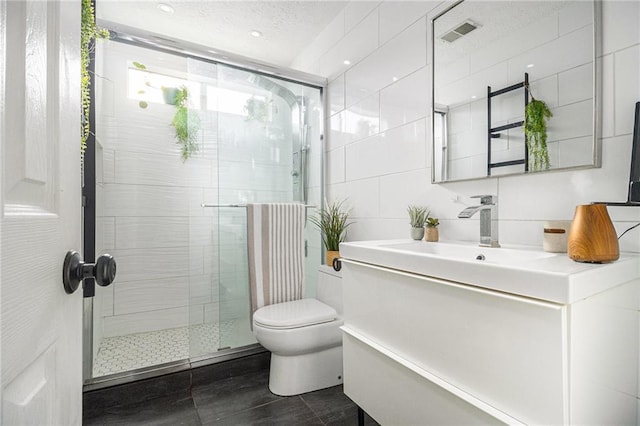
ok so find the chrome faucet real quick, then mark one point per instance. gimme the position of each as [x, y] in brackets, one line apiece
[488, 209]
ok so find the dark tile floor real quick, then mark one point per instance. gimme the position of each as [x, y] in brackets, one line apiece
[230, 393]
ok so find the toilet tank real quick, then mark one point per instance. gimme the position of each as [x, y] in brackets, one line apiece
[329, 287]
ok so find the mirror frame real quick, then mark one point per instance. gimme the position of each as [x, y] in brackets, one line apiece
[596, 104]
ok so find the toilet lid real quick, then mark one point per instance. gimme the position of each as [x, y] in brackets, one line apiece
[297, 313]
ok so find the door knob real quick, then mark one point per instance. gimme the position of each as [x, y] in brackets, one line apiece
[74, 271]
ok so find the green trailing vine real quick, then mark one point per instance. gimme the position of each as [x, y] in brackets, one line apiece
[535, 129]
[89, 32]
[187, 124]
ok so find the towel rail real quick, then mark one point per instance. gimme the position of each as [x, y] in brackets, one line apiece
[309, 206]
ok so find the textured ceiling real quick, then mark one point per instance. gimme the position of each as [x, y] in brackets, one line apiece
[287, 26]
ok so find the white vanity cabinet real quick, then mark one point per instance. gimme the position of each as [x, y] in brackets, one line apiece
[422, 350]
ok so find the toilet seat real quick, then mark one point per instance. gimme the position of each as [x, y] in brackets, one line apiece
[294, 314]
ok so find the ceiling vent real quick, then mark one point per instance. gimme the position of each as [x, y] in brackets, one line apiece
[463, 29]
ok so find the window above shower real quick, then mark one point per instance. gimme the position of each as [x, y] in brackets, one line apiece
[148, 85]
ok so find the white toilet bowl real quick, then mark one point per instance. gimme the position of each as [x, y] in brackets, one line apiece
[304, 339]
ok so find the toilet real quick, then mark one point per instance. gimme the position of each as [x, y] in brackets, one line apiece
[304, 338]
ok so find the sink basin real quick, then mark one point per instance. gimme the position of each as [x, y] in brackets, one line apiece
[461, 251]
[526, 271]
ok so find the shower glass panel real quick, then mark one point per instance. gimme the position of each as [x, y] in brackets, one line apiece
[181, 293]
[145, 208]
[266, 137]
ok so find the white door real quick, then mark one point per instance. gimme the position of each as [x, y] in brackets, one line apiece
[41, 325]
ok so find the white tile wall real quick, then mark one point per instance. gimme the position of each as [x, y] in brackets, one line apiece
[140, 322]
[338, 135]
[335, 97]
[361, 41]
[620, 23]
[627, 86]
[396, 150]
[398, 102]
[336, 172]
[399, 57]
[400, 160]
[145, 200]
[398, 15]
[150, 295]
[575, 85]
[575, 16]
[328, 38]
[355, 12]
[363, 118]
[151, 232]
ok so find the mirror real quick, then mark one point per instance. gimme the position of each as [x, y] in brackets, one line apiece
[485, 56]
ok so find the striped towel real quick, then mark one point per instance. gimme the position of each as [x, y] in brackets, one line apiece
[275, 238]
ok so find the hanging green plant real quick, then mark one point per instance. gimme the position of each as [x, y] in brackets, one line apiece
[186, 123]
[535, 129]
[89, 32]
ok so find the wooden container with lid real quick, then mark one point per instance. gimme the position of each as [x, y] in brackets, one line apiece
[592, 237]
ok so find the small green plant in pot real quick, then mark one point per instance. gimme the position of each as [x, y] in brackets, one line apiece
[432, 234]
[333, 223]
[417, 217]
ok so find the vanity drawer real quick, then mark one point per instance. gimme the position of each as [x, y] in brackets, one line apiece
[505, 350]
[393, 394]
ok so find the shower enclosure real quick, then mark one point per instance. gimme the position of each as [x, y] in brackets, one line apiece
[183, 143]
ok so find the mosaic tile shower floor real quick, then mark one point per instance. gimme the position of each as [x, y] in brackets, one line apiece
[124, 353]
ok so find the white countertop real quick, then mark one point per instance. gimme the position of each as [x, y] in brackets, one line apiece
[526, 271]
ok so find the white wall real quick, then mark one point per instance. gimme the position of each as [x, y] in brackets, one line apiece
[377, 153]
[378, 150]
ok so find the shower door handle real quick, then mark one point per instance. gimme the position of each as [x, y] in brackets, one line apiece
[74, 271]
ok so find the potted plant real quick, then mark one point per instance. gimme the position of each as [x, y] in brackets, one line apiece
[333, 223]
[417, 217]
[535, 129]
[432, 234]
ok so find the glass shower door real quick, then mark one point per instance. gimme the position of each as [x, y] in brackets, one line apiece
[268, 145]
[174, 133]
[144, 205]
